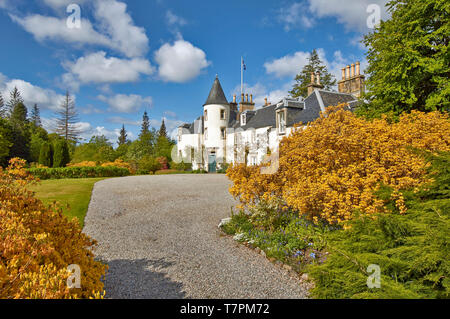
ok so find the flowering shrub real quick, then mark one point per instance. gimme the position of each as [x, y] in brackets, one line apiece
[163, 161]
[83, 164]
[120, 163]
[38, 243]
[78, 172]
[333, 166]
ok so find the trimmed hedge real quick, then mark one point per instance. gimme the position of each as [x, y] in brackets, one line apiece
[78, 172]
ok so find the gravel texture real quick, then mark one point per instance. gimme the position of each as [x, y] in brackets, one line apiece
[160, 238]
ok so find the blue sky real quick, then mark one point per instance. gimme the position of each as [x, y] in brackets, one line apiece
[162, 56]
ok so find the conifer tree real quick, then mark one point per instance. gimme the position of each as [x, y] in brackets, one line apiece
[61, 154]
[163, 130]
[123, 136]
[304, 77]
[2, 107]
[67, 117]
[46, 154]
[14, 99]
[145, 128]
[36, 116]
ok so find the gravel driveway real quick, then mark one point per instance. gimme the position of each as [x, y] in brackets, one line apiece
[159, 236]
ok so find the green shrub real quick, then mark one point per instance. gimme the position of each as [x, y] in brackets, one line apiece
[61, 155]
[78, 172]
[411, 249]
[181, 166]
[149, 164]
[46, 154]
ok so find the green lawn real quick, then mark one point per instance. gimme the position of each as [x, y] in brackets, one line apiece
[72, 194]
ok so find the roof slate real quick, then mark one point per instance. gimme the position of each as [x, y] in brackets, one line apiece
[216, 95]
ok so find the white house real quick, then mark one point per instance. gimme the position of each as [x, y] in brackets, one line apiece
[228, 132]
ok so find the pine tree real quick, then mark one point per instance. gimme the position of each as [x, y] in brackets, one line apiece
[65, 124]
[2, 107]
[123, 136]
[36, 116]
[304, 78]
[162, 130]
[145, 129]
[14, 99]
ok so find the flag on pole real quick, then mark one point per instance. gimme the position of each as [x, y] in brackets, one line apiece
[243, 65]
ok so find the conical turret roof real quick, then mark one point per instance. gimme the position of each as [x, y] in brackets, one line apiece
[216, 95]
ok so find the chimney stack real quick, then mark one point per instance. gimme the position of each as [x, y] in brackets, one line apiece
[234, 98]
[312, 78]
[246, 97]
[251, 98]
[265, 101]
[352, 81]
[318, 77]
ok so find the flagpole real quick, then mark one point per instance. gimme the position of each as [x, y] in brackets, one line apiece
[242, 76]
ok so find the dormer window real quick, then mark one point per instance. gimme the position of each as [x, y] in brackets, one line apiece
[243, 119]
[222, 114]
[281, 122]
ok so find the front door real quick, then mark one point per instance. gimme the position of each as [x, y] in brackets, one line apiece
[212, 165]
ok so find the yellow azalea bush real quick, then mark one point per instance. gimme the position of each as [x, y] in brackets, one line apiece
[38, 243]
[83, 164]
[332, 167]
[120, 163]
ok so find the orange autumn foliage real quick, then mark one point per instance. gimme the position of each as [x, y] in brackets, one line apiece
[38, 243]
[332, 167]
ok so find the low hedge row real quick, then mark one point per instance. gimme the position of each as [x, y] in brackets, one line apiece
[78, 172]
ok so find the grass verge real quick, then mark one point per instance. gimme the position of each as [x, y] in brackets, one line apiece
[73, 195]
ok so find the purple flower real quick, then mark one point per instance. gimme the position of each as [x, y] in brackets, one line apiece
[312, 255]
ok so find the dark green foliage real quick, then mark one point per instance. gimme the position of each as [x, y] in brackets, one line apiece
[2, 107]
[14, 99]
[99, 149]
[162, 130]
[412, 250]
[78, 172]
[304, 78]
[38, 137]
[408, 59]
[46, 154]
[145, 128]
[6, 140]
[61, 155]
[149, 164]
[36, 116]
[163, 147]
[122, 137]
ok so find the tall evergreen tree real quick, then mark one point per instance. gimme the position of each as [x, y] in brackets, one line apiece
[408, 59]
[2, 107]
[145, 128]
[14, 98]
[67, 117]
[36, 116]
[304, 77]
[19, 115]
[162, 129]
[123, 136]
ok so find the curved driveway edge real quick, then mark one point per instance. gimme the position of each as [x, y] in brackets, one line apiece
[159, 236]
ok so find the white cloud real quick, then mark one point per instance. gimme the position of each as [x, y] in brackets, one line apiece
[180, 62]
[57, 4]
[170, 114]
[289, 65]
[351, 13]
[97, 68]
[31, 94]
[174, 20]
[126, 103]
[114, 28]
[51, 28]
[118, 24]
[295, 16]
[123, 120]
[260, 92]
